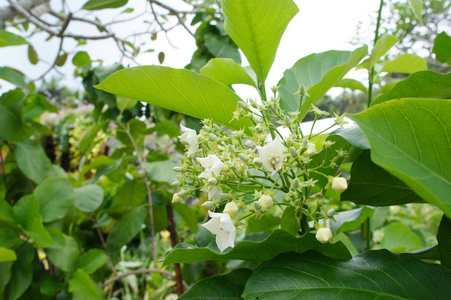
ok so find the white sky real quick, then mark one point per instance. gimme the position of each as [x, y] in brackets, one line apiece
[321, 25]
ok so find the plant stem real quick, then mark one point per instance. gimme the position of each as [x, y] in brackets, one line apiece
[3, 167]
[102, 240]
[376, 37]
[368, 234]
[178, 271]
[149, 193]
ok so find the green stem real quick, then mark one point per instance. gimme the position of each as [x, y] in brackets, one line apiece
[376, 37]
[368, 234]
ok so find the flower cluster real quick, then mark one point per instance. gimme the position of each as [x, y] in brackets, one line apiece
[258, 169]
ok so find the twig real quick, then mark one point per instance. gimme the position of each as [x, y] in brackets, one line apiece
[102, 240]
[3, 167]
[178, 271]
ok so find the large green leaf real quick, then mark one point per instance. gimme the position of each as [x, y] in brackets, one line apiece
[257, 26]
[188, 215]
[406, 63]
[56, 197]
[12, 124]
[222, 46]
[88, 198]
[442, 44]
[229, 286]
[102, 4]
[410, 139]
[350, 219]
[126, 228]
[351, 84]
[161, 171]
[65, 257]
[5, 270]
[372, 185]
[278, 242]
[383, 44]
[33, 161]
[10, 39]
[131, 194]
[354, 136]
[320, 71]
[227, 71]
[444, 241]
[425, 84]
[82, 286]
[91, 260]
[371, 275]
[398, 237]
[7, 255]
[28, 216]
[13, 76]
[21, 272]
[183, 91]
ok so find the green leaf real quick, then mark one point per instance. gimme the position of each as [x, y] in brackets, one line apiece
[188, 215]
[64, 258]
[351, 84]
[444, 241]
[7, 218]
[33, 161]
[161, 171]
[91, 260]
[21, 272]
[372, 185]
[383, 44]
[183, 91]
[165, 127]
[290, 221]
[398, 237]
[354, 136]
[5, 270]
[102, 4]
[82, 286]
[12, 124]
[222, 47]
[7, 255]
[350, 219]
[51, 286]
[88, 198]
[408, 138]
[406, 63]
[425, 84]
[82, 60]
[227, 72]
[32, 55]
[257, 26]
[56, 197]
[61, 60]
[442, 44]
[320, 71]
[96, 162]
[417, 7]
[371, 275]
[10, 39]
[29, 217]
[131, 194]
[278, 242]
[228, 286]
[126, 228]
[124, 103]
[14, 77]
[35, 105]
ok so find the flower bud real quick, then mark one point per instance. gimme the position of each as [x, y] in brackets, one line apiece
[293, 151]
[216, 127]
[339, 184]
[258, 128]
[176, 198]
[243, 157]
[324, 235]
[212, 181]
[206, 128]
[305, 142]
[257, 205]
[287, 120]
[183, 193]
[231, 148]
[213, 137]
[224, 196]
[296, 183]
[208, 204]
[266, 201]
[177, 169]
[242, 104]
[311, 150]
[257, 162]
[231, 209]
[176, 184]
[331, 212]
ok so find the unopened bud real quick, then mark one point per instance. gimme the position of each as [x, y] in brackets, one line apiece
[212, 181]
[206, 128]
[242, 104]
[176, 183]
[257, 205]
[339, 184]
[324, 235]
[231, 148]
[231, 209]
[183, 193]
[243, 157]
[258, 128]
[293, 151]
[266, 201]
[213, 137]
[177, 169]
[311, 150]
[287, 120]
[257, 162]
[296, 183]
[216, 127]
[304, 142]
[176, 198]
[224, 196]
[331, 212]
[208, 204]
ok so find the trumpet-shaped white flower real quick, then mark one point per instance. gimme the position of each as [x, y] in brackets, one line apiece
[214, 192]
[212, 165]
[324, 235]
[189, 138]
[222, 226]
[339, 184]
[272, 155]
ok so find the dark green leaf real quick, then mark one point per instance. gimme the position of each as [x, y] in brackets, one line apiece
[102, 4]
[178, 90]
[188, 215]
[354, 136]
[13, 76]
[21, 272]
[131, 194]
[91, 260]
[350, 219]
[371, 275]
[56, 197]
[444, 241]
[65, 257]
[372, 185]
[33, 161]
[82, 286]
[10, 39]
[5, 270]
[228, 286]
[442, 44]
[7, 218]
[36, 105]
[88, 198]
[290, 221]
[222, 47]
[12, 124]
[425, 84]
[257, 28]
[278, 242]
[408, 139]
[61, 60]
[32, 55]
[161, 57]
[126, 228]
[51, 286]
[165, 127]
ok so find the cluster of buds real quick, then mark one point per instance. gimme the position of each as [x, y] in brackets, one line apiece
[250, 172]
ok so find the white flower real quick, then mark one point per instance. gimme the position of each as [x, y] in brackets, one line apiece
[339, 184]
[222, 226]
[311, 150]
[214, 192]
[266, 201]
[324, 235]
[231, 209]
[271, 155]
[212, 165]
[189, 138]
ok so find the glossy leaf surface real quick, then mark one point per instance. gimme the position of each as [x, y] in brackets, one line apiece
[227, 71]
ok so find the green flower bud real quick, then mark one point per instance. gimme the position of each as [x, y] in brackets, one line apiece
[293, 152]
[176, 198]
[296, 183]
[331, 212]
[177, 169]
[287, 120]
[257, 162]
[216, 127]
[176, 183]
[213, 137]
[258, 128]
[305, 143]
[206, 128]
[257, 205]
[212, 181]
[243, 157]
[183, 193]
[231, 148]
[208, 204]
[224, 196]
[242, 104]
